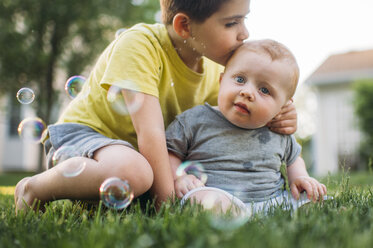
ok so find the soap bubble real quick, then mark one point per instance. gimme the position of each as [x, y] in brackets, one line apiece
[230, 220]
[31, 129]
[25, 95]
[228, 212]
[116, 193]
[135, 100]
[73, 169]
[63, 153]
[74, 85]
[193, 168]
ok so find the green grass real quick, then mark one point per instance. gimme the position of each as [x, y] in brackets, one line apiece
[346, 221]
[11, 178]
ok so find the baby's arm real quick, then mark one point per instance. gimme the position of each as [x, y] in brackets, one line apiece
[299, 181]
[184, 182]
[149, 127]
[286, 121]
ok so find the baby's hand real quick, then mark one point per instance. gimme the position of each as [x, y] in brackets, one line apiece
[314, 189]
[185, 183]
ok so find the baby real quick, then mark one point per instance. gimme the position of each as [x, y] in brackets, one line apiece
[240, 155]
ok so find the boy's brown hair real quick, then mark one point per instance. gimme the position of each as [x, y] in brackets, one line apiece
[197, 10]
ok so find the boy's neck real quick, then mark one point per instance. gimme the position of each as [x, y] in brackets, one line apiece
[190, 58]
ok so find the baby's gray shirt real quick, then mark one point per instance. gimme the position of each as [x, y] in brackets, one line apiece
[244, 162]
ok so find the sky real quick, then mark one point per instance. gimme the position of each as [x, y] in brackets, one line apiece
[313, 29]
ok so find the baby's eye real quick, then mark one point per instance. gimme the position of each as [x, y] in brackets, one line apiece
[239, 80]
[264, 90]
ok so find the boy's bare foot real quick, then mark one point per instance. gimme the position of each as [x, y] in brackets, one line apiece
[24, 198]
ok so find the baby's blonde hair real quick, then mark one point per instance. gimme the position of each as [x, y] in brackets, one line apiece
[276, 51]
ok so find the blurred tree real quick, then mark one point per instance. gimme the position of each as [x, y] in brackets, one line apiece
[363, 102]
[40, 37]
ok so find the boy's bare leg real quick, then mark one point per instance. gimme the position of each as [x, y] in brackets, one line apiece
[110, 161]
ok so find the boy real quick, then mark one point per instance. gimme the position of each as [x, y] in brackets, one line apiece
[169, 68]
[240, 155]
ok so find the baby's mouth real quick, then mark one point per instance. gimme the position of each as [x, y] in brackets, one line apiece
[242, 108]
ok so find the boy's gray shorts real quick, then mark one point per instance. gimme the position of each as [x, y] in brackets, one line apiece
[83, 139]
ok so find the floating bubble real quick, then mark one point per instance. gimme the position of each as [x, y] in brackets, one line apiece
[228, 213]
[193, 168]
[119, 31]
[224, 211]
[116, 193]
[73, 169]
[64, 153]
[232, 219]
[25, 95]
[115, 97]
[31, 129]
[74, 85]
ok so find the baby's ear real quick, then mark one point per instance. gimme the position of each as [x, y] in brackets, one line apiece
[181, 24]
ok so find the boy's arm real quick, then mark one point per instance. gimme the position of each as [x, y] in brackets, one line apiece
[299, 181]
[286, 121]
[175, 161]
[149, 127]
[184, 182]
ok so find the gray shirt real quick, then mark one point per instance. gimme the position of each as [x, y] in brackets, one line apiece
[244, 162]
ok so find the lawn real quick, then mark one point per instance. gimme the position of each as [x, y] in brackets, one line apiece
[345, 221]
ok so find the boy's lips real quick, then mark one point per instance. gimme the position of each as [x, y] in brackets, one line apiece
[229, 55]
[241, 108]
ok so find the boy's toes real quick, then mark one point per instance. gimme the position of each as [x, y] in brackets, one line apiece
[23, 197]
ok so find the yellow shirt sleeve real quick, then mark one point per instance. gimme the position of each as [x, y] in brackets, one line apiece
[133, 63]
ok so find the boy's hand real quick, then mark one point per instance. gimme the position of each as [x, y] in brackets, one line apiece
[286, 121]
[314, 189]
[186, 183]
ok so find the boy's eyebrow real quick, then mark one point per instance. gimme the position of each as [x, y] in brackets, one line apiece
[236, 16]
[233, 17]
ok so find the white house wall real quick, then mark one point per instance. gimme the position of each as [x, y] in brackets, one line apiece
[16, 154]
[337, 136]
[325, 137]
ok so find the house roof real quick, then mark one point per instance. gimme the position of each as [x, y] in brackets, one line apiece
[344, 67]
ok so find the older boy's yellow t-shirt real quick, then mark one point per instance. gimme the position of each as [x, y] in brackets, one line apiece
[141, 59]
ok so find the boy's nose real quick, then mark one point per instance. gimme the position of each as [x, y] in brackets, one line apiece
[243, 34]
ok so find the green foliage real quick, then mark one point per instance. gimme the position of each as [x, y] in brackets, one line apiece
[363, 103]
[11, 179]
[40, 37]
[345, 221]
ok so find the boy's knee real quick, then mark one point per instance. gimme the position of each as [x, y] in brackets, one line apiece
[143, 174]
[138, 172]
[127, 164]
